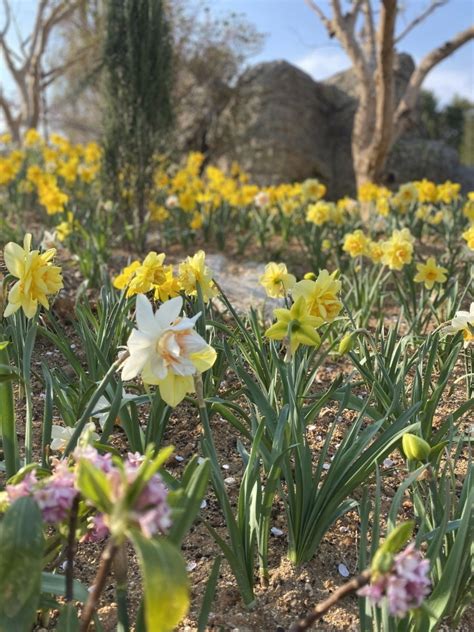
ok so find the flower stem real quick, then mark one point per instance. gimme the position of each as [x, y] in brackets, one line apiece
[106, 559]
[71, 549]
[322, 607]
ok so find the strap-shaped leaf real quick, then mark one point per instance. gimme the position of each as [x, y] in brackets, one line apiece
[165, 582]
[21, 557]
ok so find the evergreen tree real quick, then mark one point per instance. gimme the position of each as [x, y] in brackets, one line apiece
[137, 61]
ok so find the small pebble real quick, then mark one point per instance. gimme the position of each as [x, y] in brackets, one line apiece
[326, 466]
[179, 458]
[343, 570]
[203, 504]
[387, 463]
[225, 466]
[275, 531]
[230, 480]
[190, 566]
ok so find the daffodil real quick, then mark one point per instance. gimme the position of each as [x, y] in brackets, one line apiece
[37, 277]
[193, 272]
[296, 325]
[468, 235]
[398, 250]
[61, 435]
[319, 213]
[463, 321]
[166, 350]
[430, 273]
[148, 275]
[356, 244]
[276, 280]
[321, 295]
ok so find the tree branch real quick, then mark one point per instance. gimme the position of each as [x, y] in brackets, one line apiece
[346, 589]
[322, 16]
[408, 102]
[435, 4]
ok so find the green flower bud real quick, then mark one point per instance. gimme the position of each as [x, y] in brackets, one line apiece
[415, 448]
[346, 344]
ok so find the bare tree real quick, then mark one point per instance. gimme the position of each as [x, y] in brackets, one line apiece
[26, 65]
[371, 47]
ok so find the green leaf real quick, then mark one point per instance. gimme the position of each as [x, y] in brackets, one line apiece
[93, 485]
[165, 582]
[398, 537]
[189, 501]
[56, 585]
[68, 620]
[21, 558]
[209, 595]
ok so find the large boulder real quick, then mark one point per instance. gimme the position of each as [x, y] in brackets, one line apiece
[282, 126]
[275, 125]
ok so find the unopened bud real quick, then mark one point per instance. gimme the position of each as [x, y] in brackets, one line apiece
[346, 344]
[415, 448]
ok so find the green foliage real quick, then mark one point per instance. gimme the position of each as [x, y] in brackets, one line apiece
[21, 553]
[165, 582]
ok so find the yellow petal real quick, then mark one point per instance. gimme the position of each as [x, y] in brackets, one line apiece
[174, 388]
[204, 360]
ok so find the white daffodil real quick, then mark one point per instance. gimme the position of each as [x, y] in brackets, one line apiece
[463, 321]
[166, 350]
[61, 435]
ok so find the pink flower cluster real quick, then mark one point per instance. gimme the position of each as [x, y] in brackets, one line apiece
[405, 586]
[150, 511]
[54, 495]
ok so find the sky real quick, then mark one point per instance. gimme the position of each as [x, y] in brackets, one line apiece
[294, 33]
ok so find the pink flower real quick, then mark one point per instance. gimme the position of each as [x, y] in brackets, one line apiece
[56, 496]
[404, 587]
[96, 529]
[23, 488]
[151, 509]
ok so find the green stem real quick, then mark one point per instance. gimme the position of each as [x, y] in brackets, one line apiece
[7, 417]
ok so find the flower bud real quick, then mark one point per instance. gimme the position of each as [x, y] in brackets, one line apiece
[415, 448]
[346, 344]
[310, 276]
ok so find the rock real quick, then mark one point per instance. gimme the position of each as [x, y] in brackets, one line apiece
[282, 126]
[416, 158]
[274, 125]
[240, 283]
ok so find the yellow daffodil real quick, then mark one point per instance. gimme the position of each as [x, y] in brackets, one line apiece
[32, 137]
[356, 244]
[296, 325]
[448, 192]
[468, 235]
[312, 189]
[170, 286]
[398, 250]
[148, 275]
[122, 280]
[37, 277]
[320, 295]
[319, 213]
[276, 280]
[193, 271]
[429, 273]
[427, 191]
[166, 350]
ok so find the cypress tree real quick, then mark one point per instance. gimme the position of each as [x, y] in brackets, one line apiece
[137, 62]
